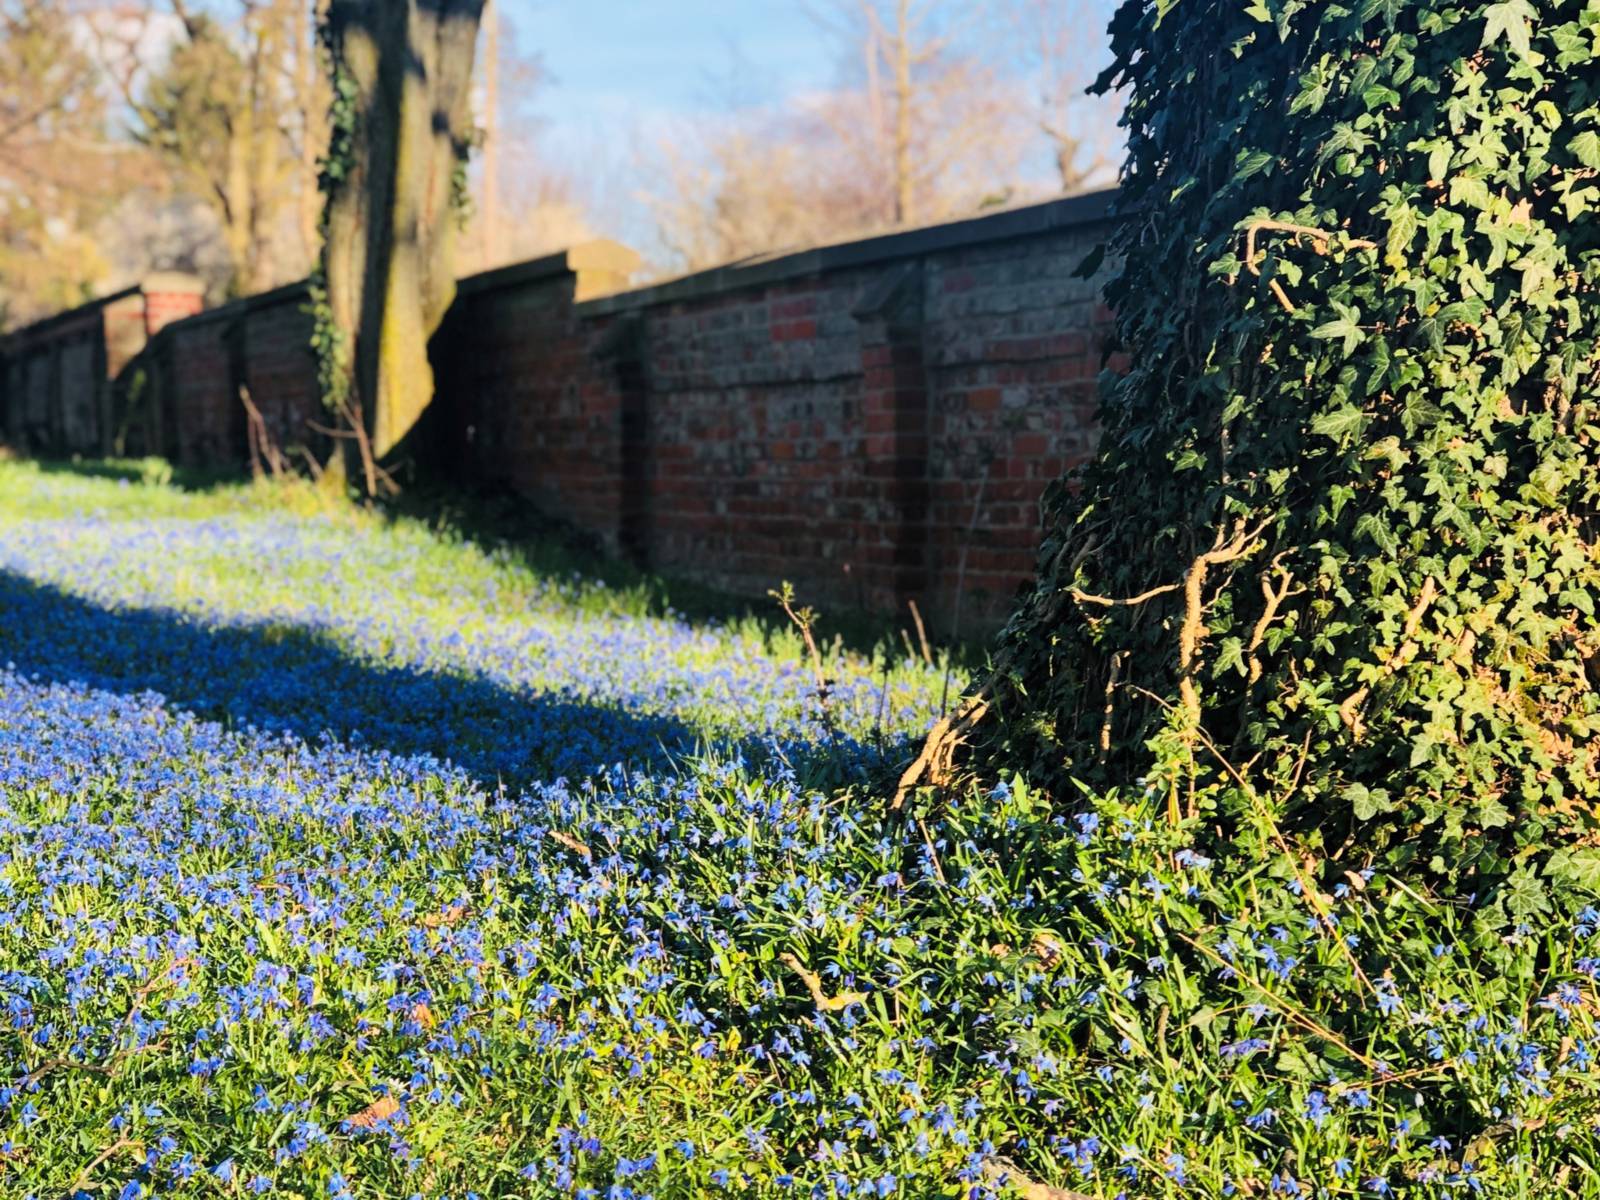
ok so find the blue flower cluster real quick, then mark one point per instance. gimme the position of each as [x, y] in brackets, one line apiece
[339, 863]
[403, 642]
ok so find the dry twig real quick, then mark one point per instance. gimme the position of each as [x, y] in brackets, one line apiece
[1320, 238]
[813, 984]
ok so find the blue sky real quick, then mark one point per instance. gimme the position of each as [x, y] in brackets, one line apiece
[624, 76]
[624, 79]
[642, 59]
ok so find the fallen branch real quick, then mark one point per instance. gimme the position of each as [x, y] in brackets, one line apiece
[570, 842]
[264, 453]
[1001, 1172]
[813, 984]
[935, 763]
[94, 1164]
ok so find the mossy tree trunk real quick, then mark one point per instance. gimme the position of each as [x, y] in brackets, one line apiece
[403, 73]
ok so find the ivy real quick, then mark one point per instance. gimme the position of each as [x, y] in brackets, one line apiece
[1340, 545]
[328, 340]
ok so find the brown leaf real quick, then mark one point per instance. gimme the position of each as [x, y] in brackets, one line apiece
[374, 1114]
[448, 917]
[570, 842]
[1046, 949]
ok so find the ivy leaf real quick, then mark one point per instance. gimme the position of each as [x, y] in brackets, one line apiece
[1525, 895]
[1586, 148]
[1091, 263]
[1389, 9]
[1439, 160]
[1345, 327]
[1252, 162]
[1366, 802]
[1313, 92]
[1579, 868]
[1230, 656]
[1403, 226]
[1375, 527]
[1341, 424]
[1378, 95]
[1343, 137]
[1572, 45]
[1512, 20]
[1466, 189]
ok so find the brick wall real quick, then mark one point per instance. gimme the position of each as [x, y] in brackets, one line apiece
[56, 393]
[874, 421]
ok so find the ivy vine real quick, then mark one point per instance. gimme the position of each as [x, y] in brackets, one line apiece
[329, 342]
[1340, 545]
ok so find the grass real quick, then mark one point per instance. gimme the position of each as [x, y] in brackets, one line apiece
[343, 856]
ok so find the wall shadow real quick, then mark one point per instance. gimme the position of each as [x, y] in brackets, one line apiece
[292, 679]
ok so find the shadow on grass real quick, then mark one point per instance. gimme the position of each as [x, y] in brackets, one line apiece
[295, 680]
[144, 470]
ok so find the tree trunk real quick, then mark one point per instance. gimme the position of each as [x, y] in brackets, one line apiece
[391, 223]
[904, 197]
[490, 216]
[310, 112]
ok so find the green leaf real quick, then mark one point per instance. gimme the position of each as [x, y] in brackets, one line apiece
[1525, 896]
[1439, 160]
[1230, 657]
[1586, 148]
[1345, 327]
[1341, 424]
[1512, 20]
[1388, 9]
[1578, 868]
[1366, 802]
[1090, 265]
[1403, 226]
[1251, 162]
[1466, 189]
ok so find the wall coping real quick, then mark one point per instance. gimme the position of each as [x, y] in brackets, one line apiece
[602, 254]
[300, 290]
[27, 332]
[158, 283]
[1033, 220]
[172, 283]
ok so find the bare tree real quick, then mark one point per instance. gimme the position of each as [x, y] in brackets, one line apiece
[1061, 43]
[923, 110]
[235, 110]
[59, 168]
[522, 205]
[489, 205]
[921, 127]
